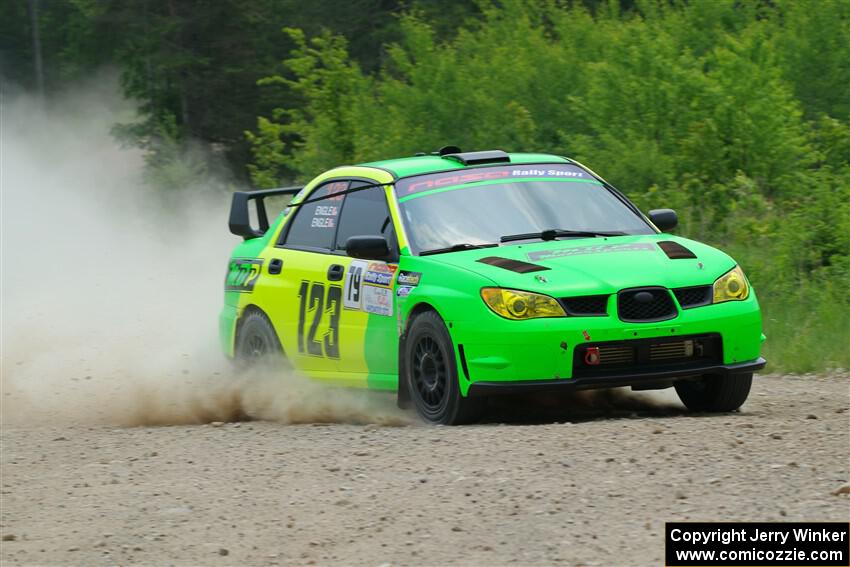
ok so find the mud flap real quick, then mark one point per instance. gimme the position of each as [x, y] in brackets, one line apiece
[403, 399]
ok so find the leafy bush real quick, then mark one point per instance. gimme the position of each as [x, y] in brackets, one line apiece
[735, 113]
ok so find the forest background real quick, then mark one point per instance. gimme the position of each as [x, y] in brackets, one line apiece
[736, 113]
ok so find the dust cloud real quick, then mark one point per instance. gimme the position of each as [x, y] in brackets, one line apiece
[111, 291]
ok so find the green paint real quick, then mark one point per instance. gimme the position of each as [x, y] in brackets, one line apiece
[381, 357]
[498, 349]
[531, 350]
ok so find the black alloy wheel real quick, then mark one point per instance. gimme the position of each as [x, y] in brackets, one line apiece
[431, 376]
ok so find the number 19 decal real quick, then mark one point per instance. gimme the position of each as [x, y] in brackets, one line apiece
[354, 284]
[316, 303]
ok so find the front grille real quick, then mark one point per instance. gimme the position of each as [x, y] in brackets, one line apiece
[641, 355]
[645, 305]
[586, 306]
[693, 296]
[616, 355]
[671, 351]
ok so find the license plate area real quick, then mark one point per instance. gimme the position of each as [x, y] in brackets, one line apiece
[645, 355]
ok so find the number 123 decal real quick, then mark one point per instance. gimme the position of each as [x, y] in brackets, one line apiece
[315, 303]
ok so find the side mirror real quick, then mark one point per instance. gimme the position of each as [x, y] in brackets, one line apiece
[368, 247]
[664, 219]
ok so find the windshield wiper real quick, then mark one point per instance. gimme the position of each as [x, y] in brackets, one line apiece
[554, 233]
[457, 247]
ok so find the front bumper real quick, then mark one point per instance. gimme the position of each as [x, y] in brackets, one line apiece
[503, 352]
[663, 378]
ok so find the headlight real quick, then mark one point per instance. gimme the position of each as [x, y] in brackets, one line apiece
[519, 305]
[731, 286]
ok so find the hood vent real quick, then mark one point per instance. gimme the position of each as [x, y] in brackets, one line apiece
[675, 251]
[513, 265]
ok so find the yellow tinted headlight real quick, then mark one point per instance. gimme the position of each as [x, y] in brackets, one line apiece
[731, 286]
[518, 305]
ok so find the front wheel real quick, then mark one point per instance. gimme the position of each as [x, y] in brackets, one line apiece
[715, 393]
[430, 372]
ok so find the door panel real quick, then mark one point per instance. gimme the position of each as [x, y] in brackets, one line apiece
[304, 308]
[369, 312]
[335, 315]
[368, 318]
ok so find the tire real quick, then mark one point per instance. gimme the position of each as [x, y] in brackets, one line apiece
[256, 340]
[715, 393]
[430, 374]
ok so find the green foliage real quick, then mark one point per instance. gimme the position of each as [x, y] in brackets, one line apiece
[270, 155]
[735, 113]
[815, 53]
[330, 85]
[194, 61]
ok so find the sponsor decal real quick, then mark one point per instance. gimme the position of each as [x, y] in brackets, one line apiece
[334, 188]
[422, 183]
[242, 274]
[598, 249]
[409, 278]
[379, 274]
[378, 278]
[353, 284]
[456, 179]
[575, 173]
[377, 300]
[382, 267]
[404, 291]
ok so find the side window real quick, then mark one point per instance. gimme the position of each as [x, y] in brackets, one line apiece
[365, 213]
[314, 224]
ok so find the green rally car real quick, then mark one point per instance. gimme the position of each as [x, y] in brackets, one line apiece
[455, 276]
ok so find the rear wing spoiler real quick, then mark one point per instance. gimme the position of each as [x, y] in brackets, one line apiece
[240, 215]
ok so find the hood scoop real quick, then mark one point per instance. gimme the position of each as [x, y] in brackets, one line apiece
[675, 251]
[517, 266]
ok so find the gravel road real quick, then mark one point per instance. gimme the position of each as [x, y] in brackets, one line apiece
[589, 486]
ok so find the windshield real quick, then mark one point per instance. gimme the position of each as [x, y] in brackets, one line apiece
[480, 206]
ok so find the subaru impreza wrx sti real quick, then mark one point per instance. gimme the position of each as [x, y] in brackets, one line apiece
[453, 277]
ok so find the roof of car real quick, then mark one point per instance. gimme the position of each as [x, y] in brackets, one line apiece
[418, 165]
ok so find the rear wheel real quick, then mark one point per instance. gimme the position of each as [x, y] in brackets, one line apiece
[715, 393]
[256, 340]
[430, 372]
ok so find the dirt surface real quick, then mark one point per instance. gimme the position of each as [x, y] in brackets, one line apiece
[589, 486]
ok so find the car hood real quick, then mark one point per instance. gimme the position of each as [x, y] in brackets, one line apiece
[587, 266]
